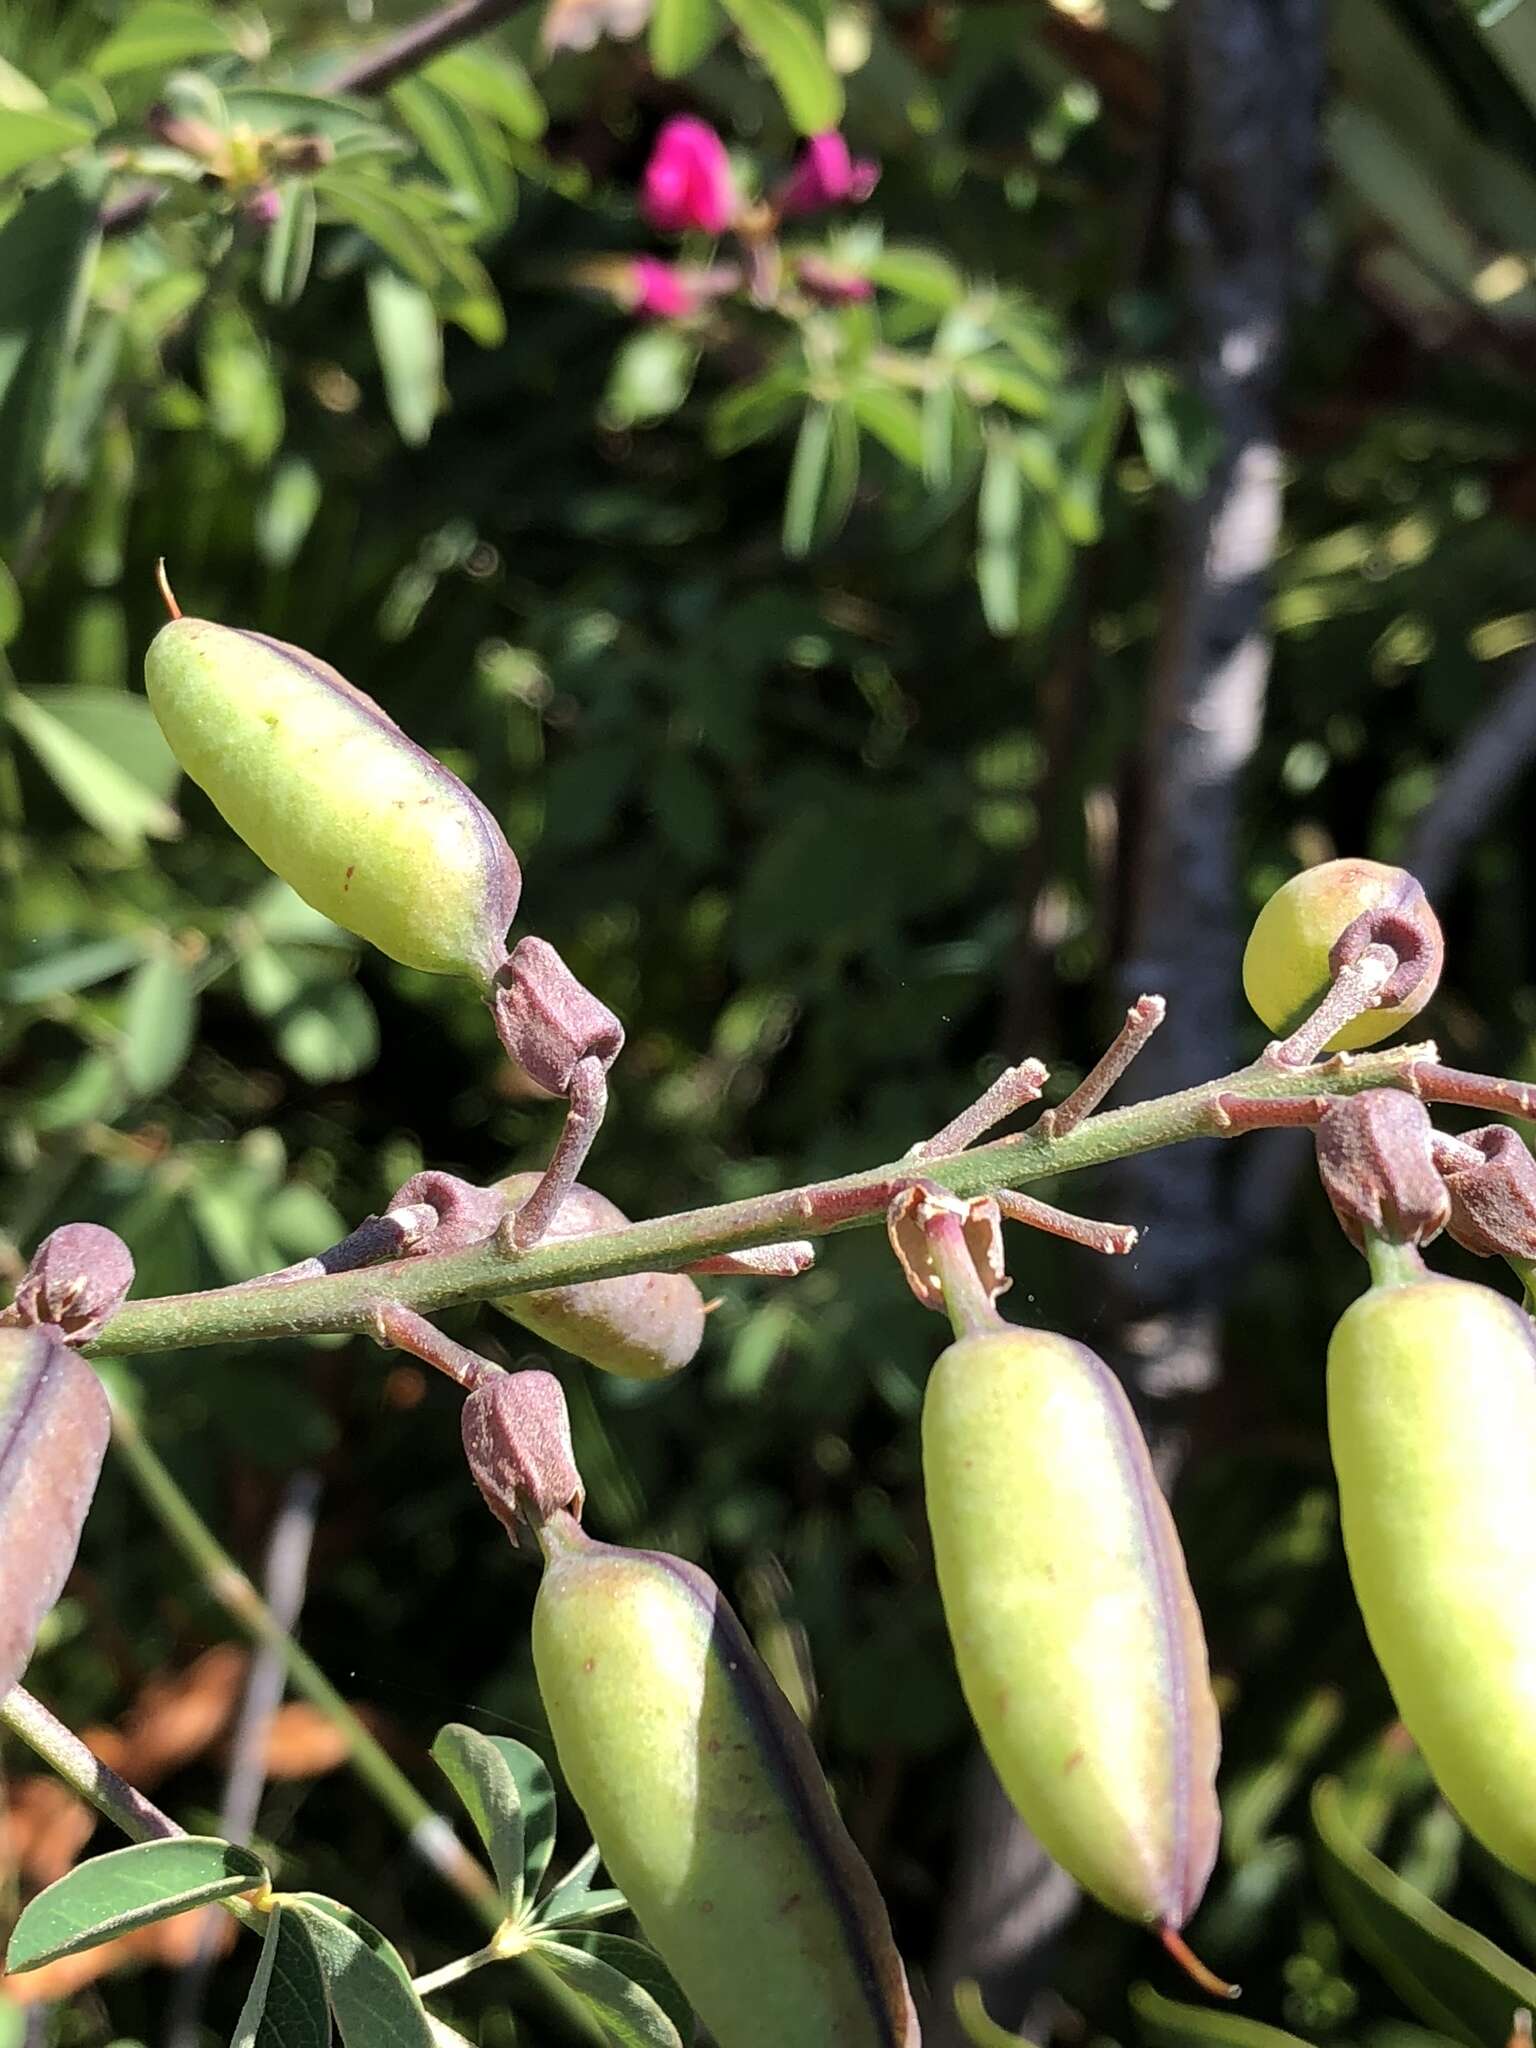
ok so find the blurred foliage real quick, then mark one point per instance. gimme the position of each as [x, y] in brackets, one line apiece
[832, 829]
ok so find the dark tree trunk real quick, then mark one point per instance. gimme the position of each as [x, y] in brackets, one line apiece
[1245, 78]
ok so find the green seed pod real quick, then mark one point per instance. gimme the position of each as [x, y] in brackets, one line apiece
[1322, 920]
[708, 1805]
[641, 1326]
[326, 788]
[1432, 1423]
[1076, 1636]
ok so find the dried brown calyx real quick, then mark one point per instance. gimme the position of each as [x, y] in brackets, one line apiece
[79, 1276]
[1490, 1177]
[517, 1438]
[1376, 1157]
[1404, 922]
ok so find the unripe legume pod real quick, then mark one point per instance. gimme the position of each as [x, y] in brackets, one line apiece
[706, 1800]
[333, 796]
[1076, 1636]
[1432, 1423]
[1311, 927]
[641, 1326]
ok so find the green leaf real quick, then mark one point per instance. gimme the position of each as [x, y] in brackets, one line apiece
[287, 512]
[127, 1888]
[650, 377]
[999, 523]
[752, 411]
[69, 968]
[1166, 2023]
[574, 1899]
[286, 2005]
[630, 2013]
[12, 610]
[369, 204]
[344, 124]
[807, 480]
[495, 83]
[245, 397]
[977, 2024]
[893, 418]
[159, 1022]
[792, 53]
[46, 251]
[368, 1985]
[18, 94]
[917, 273]
[408, 338]
[329, 1032]
[683, 32]
[160, 34]
[107, 756]
[479, 1770]
[25, 137]
[290, 245]
[1457, 1981]
[461, 143]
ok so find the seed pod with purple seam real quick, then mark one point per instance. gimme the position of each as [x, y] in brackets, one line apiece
[642, 1326]
[364, 824]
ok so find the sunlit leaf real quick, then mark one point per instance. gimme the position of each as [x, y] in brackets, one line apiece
[408, 337]
[28, 136]
[160, 34]
[1168, 2023]
[609, 1981]
[290, 245]
[121, 792]
[683, 32]
[479, 1768]
[158, 1022]
[112, 1894]
[368, 1986]
[792, 53]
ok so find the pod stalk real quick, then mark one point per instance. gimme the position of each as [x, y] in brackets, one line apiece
[1198, 1972]
[1393, 1265]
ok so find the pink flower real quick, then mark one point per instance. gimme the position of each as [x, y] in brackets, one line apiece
[830, 285]
[688, 182]
[826, 175]
[660, 291]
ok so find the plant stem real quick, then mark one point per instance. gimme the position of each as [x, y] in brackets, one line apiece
[351, 1301]
[441, 30]
[428, 1832]
[138, 1817]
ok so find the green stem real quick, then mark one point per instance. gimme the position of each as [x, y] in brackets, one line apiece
[1392, 1265]
[428, 1832]
[350, 1301]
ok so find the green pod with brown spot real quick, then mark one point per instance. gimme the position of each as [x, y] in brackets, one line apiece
[642, 1326]
[1076, 1636]
[1432, 1425]
[707, 1803]
[323, 785]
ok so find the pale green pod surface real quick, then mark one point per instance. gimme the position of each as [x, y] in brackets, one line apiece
[335, 798]
[1432, 1423]
[1076, 1635]
[706, 1800]
[641, 1326]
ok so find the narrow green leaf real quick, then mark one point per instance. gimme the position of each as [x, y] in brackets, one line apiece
[127, 1888]
[286, 2006]
[573, 1898]
[329, 1032]
[752, 411]
[460, 143]
[346, 125]
[46, 251]
[27, 137]
[1456, 1980]
[480, 1770]
[1166, 2023]
[807, 480]
[369, 204]
[245, 395]
[917, 273]
[69, 968]
[159, 1021]
[122, 798]
[893, 418]
[408, 338]
[160, 34]
[12, 611]
[290, 245]
[650, 377]
[999, 522]
[683, 32]
[287, 512]
[792, 53]
[54, 1425]
[18, 94]
[368, 1985]
[627, 2009]
[494, 82]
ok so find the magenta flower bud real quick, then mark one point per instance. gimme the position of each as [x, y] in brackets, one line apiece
[688, 183]
[830, 286]
[826, 175]
[262, 209]
[660, 291]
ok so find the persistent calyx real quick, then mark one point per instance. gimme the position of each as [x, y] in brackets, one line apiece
[1376, 1158]
[517, 1438]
